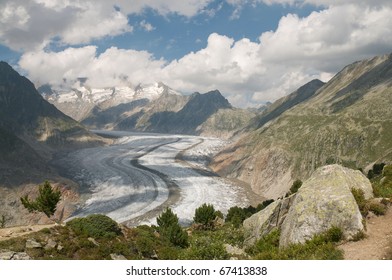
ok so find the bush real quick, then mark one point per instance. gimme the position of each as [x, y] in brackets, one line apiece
[236, 216]
[170, 229]
[205, 215]
[378, 208]
[205, 248]
[387, 171]
[264, 204]
[334, 234]
[295, 186]
[95, 226]
[358, 236]
[359, 197]
[320, 247]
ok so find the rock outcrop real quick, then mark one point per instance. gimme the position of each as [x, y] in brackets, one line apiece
[265, 221]
[324, 200]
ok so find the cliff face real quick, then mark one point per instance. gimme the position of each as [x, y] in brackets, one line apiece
[346, 121]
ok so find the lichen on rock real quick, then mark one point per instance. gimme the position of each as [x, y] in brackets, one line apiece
[324, 200]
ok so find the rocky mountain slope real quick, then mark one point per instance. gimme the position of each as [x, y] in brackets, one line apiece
[346, 121]
[31, 132]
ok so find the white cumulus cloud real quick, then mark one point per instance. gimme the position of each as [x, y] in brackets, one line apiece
[246, 71]
[114, 67]
[33, 24]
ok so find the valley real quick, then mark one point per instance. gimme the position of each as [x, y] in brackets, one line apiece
[138, 176]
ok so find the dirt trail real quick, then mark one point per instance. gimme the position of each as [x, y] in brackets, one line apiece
[12, 232]
[377, 243]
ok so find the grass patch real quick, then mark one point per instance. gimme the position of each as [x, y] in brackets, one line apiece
[320, 247]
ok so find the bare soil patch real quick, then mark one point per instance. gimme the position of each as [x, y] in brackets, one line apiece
[377, 242]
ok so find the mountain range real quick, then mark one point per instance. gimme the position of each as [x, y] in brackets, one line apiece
[151, 108]
[347, 121]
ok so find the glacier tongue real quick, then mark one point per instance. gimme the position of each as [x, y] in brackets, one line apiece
[129, 181]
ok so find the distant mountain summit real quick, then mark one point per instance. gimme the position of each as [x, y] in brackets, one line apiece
[150, 108]
[78, 103]
[346, 121]
[194, 113]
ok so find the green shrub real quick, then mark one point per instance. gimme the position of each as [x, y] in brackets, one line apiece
[267, 247]
[96, 226]
[320, 247]
[334, 234]
[358, 236]
[169, 228]
[205, 248]
[45, 231]
[377, 208]
[359, 197]
[295, 186]
[387, 171]
[382, 190]
[236, 216]
[264, 204]
[205, 215]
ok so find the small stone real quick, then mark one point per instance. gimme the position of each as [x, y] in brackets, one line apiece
[59, 247]
[92, 240]
[21, 256]
[233, 250]
[51, 244]
[117, 257]
[31, 243]
[6, 255]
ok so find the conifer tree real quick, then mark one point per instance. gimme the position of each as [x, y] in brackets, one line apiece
[170, 229]
[46, 202]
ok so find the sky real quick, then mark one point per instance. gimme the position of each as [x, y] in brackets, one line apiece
[253, 51]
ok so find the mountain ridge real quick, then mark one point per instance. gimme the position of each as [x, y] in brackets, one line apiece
[313, 133]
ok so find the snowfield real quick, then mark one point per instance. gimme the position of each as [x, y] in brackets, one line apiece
[135, 179]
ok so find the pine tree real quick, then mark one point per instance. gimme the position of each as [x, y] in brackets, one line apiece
[46, 202]
[170, 229]
[205, 215]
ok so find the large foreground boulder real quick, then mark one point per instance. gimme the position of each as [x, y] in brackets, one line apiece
[324, 200]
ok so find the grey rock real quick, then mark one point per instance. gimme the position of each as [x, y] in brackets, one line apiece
[233, 250]
[31, 243]
[266, 220]
[8, 255]
[21, 256]
[323, 201]
[51, 244]
[117, 257]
